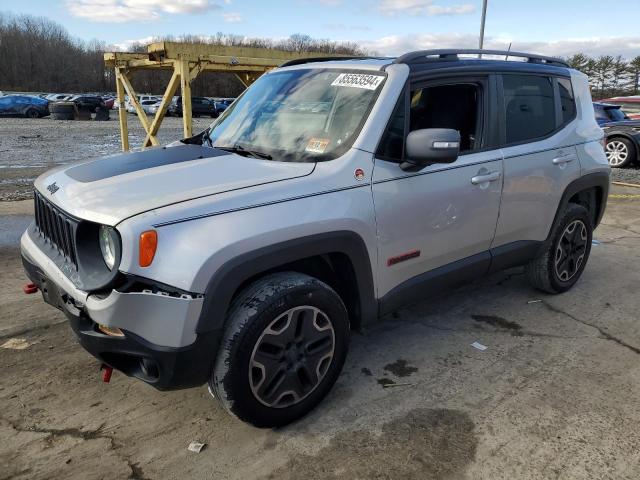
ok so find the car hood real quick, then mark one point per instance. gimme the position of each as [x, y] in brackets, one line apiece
[110, 189]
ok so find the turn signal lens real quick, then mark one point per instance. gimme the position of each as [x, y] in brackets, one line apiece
[148, 245]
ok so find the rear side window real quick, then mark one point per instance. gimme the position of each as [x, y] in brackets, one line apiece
[567, 102]
[529, 107]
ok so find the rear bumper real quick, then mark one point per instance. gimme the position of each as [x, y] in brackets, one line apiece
[163, 366]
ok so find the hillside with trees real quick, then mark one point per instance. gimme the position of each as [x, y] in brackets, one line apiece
[39, 55]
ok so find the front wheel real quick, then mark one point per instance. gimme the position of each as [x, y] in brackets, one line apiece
[561, 262]
[32, 113]
[285, 343]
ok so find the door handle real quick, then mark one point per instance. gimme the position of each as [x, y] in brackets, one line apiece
[563, 159]
[488, 177]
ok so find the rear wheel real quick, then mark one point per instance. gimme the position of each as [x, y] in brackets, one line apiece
[620, 152]
[284, 346]
[559, 266]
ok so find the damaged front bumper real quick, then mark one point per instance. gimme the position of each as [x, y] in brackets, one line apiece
[159, 344]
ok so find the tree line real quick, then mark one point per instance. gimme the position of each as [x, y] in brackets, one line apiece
[39, 55]
[609, 76]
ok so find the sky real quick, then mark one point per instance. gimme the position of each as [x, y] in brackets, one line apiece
[383, 27]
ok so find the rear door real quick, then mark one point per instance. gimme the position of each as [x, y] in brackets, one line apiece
[540, 157]
[443, 213]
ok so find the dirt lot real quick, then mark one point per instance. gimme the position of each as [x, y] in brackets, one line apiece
[555, 395]
[29, 146]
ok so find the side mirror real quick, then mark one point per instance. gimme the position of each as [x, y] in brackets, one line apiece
[431, 145]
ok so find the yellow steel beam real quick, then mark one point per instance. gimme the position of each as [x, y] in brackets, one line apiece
[192, 51]
[122, 112]
[185, 86]
[172, 86]
[142, 115]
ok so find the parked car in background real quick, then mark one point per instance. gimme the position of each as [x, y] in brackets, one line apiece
[108, 101]
[622, 134]
[631, 105]
[199, 106]
[88, 102]
[58, 97]
[220, 106]
[23, 106]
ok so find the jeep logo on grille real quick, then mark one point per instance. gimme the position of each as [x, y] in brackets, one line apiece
[53, 188]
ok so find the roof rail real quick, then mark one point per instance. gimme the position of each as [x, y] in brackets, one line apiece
[301, 61]
[452, 54]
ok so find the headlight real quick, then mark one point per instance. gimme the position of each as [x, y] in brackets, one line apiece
[108, 242]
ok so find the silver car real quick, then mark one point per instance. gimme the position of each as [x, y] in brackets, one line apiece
[331, 192]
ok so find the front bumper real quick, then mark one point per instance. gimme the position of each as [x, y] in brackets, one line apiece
[169, 355]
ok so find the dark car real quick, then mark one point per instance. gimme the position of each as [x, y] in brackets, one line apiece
[622, 135]
[23, 106]
[88, 102]
[199, 106]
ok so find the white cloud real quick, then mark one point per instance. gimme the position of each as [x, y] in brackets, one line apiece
[121, 11]
[232, 17]
[340, 27]
[422, 7]
[392, 45]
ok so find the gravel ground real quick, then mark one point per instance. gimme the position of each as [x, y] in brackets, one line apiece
[29, 147]
[556, 394]
[627, 175]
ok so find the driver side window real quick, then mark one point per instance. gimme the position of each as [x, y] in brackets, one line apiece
[455, 106]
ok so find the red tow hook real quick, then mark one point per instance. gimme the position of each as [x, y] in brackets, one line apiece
[106, 372]
[30, 288]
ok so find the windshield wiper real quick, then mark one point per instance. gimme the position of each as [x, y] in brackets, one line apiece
[238, 149]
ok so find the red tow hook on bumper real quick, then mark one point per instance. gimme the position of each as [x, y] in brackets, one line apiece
[106, 372]
[30, 288]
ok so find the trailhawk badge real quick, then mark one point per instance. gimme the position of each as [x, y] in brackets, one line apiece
[53, 188]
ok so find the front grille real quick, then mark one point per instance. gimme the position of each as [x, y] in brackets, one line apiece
[56, 227]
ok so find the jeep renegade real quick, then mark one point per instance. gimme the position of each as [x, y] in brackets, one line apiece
[332, 191]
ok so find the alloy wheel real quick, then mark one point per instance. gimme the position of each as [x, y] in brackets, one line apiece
[617, 153]
[571, 250]
[291, 357]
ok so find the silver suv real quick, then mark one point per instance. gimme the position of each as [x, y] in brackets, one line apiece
[331, 192]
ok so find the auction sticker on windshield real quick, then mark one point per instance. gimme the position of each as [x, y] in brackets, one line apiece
[358, 80]
[317, 145]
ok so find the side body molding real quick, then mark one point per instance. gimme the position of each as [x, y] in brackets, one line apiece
[234, 273]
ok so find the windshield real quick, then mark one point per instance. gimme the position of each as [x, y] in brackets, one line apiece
[298, 115]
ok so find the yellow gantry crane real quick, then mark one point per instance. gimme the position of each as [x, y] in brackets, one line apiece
[186, 61]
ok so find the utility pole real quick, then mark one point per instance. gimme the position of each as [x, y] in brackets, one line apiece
[484, 16]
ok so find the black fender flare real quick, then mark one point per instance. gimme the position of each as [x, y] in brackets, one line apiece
[227, 279]
[591, 180]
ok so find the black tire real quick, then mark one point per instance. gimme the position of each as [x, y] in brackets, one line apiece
[620, 151]
[32, 113]
[63, 116]
[553, 271]
[258, 307]
[62, 107]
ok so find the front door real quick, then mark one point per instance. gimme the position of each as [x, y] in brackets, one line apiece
[443, 213]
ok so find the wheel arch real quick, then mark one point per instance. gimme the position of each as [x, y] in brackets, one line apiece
[590, 191]
[339, 258]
